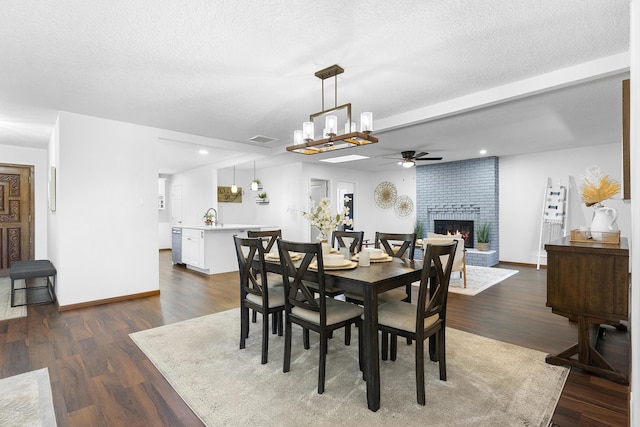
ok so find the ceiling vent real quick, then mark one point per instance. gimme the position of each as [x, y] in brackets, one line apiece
[262, 139]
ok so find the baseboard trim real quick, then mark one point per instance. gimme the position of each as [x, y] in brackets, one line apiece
[522, 264]
[108, 300]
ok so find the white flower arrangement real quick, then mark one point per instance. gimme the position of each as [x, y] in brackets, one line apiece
[322, 218]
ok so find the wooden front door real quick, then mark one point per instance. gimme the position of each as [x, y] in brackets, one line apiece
[16, 215]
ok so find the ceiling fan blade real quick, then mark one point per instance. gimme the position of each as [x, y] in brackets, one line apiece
[430, 158]
[420, 155]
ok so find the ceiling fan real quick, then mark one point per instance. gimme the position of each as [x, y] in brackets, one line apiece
[409, 158]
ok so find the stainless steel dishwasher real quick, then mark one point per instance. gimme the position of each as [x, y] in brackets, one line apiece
[176, 245]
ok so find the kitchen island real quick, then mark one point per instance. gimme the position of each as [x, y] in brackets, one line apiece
[210, 249]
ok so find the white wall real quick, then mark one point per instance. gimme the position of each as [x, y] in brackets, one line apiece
[106, 221]
[38, 159]
[199, 193]
[522, 183]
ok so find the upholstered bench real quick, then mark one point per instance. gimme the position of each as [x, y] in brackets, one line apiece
[24, 270]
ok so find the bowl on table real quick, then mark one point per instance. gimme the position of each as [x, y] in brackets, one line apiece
[375, 253]
[333, 260]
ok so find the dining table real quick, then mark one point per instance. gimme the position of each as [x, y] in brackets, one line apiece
[370, 281]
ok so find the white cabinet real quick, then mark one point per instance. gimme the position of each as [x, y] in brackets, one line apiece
[193, 247]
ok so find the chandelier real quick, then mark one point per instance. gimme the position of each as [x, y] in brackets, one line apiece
[305, 140]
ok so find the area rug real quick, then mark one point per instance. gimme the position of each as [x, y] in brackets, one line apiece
[489, 383]
[25, 400]
[478, 279]
[6, 311]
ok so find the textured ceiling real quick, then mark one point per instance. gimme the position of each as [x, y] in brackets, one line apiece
[231, 70]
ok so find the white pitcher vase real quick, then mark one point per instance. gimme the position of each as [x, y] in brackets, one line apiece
[604, 220]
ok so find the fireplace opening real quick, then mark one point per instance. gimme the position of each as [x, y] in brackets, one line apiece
[455, 226]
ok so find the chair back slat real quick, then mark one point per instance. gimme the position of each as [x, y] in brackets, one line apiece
[437, 303]
[407, 244]
[253, 280]
[298, 292]
[270, 237]
[357, 237]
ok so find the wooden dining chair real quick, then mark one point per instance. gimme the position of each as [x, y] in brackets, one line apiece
[354, 244]
[321, 314]
[396, 244]
[255, 292]
[425, 319]
[269, 236]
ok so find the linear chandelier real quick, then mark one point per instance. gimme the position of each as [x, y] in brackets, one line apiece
[305, 141]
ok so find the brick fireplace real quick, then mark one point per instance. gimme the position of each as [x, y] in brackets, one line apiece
[466, 190]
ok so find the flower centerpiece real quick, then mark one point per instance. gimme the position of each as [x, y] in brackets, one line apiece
[322, 218]
[597, 187]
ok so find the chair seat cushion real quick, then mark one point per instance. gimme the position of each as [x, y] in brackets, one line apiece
[337, 311]
[402, 315]
[275, 284]
[276, 297]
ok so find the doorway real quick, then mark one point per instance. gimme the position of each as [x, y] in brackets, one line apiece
[318, 189]
[16, 215]
[346, 190]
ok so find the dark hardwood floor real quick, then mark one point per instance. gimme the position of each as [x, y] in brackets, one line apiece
[100, 378]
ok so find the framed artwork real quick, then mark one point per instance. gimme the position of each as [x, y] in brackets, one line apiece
[226, 196]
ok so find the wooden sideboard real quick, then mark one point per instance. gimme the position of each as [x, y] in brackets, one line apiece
[588, 283]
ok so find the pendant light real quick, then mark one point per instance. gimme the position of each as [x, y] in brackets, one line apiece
[234, 187]
[255, 185]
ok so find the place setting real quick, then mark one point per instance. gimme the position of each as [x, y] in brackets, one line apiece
[275, 256]
[334, 261]
[374, 255]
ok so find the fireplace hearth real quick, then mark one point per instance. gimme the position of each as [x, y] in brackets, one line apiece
[455, 226]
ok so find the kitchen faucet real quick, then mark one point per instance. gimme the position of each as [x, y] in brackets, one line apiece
[215, 213]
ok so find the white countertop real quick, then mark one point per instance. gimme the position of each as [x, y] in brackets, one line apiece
[226, 227]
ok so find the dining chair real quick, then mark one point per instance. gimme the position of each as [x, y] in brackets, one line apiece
[272, 236]
[269, 239]
[460, 260]
[396, 244]
[255, 293]
[321, 314]
[405, 246]
[354, 245]
[425, 319]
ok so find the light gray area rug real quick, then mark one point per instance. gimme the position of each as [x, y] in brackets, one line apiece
[6, 311]
[478, 279]
[25, 400]
[489, 383]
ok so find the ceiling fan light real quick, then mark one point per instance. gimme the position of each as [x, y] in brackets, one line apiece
[408, 164]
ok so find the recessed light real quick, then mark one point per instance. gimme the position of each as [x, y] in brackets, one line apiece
[342, 159]
[203, 152]
[483, 152]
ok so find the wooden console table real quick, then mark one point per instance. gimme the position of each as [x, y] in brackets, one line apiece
[588, 282]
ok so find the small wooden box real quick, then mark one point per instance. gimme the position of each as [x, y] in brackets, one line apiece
[606, 237]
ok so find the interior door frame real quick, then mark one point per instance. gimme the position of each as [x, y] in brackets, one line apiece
[32, 220]
[324, 185]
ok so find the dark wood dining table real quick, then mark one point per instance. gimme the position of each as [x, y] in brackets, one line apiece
[370, 281]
